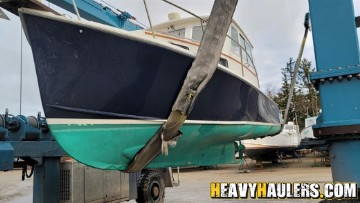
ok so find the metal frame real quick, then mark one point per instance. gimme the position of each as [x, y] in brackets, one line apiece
[338, 80]
[29, 139]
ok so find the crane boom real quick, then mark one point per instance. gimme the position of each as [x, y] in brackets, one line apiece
[94, 11]
[88, 9]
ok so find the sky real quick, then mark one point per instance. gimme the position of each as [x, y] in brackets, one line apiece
[274, 27]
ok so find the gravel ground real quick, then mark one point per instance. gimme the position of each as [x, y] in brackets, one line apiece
[195, 182]
[12, 188]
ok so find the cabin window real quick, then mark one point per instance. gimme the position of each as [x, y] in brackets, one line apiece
[246, 59]
[235, 48]
[197, 33]
[244, 44]
[179, 32]
[243, 54]
[248, 48]
[250, 61]
[242, 41]
[223, 62]
[250, 65]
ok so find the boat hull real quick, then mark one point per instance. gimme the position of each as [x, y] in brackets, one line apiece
[111, 144]
[98, 73]
[267, 153]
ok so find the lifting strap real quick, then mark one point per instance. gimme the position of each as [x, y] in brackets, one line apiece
[293, 81]
[201, 71]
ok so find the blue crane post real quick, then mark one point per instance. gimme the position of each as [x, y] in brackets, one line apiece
[338, 81]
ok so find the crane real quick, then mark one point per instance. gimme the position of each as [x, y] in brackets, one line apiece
[88, 9]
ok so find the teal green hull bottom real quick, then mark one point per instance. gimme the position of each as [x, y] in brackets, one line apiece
[112, 146]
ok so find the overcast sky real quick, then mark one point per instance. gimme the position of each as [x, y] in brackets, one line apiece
[274, 27]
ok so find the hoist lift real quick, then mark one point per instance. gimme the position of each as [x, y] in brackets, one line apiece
[336, 46]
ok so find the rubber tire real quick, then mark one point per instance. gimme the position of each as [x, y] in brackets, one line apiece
[145, 180]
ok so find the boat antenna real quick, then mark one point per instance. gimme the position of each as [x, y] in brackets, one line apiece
[147, 12]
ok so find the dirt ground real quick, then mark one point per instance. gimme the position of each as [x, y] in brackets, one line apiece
[12, 188]
[195, 182]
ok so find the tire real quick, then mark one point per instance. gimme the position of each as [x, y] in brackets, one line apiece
[151, 187]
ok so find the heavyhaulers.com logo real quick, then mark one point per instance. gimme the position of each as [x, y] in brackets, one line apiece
[283, 190]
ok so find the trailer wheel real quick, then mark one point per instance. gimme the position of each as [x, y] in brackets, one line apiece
[151, 187]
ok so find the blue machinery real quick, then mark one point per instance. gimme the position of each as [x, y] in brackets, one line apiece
[88, 9]
[29, 140]
[94, 11]
[338, 81]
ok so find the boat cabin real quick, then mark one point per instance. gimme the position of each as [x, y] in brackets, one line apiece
[186, 33]
[291, 127]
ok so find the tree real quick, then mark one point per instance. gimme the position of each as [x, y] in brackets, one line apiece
[283, 95]
[305, 102]
[271, 91]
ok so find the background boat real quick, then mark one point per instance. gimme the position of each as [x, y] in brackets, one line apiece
[268, 148]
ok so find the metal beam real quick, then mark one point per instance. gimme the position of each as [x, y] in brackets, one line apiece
[337, 55]
[47, 181]
[96, 12]
[13, 6]
[37, 149]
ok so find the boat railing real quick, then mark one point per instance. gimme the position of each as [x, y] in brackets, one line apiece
[148, 15]
[203, 21]
[76, 10]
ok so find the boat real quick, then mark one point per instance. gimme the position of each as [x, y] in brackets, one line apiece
[106, 91]
[307, 132]
[308, 139]
[269, 148]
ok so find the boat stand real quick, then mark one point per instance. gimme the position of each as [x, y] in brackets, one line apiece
[241, 166]
[297, 156]
[282, 161]
[259, 165]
